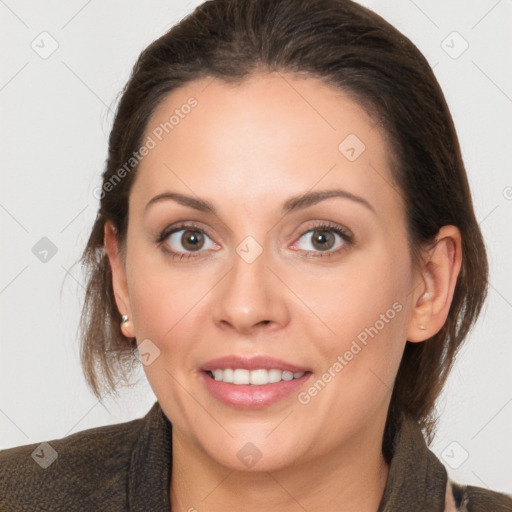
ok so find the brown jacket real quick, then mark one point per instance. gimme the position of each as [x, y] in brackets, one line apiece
[128, 467]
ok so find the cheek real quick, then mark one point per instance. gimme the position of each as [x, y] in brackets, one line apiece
[166, 302]
[366, 310]
[162, 297]
[364, 292]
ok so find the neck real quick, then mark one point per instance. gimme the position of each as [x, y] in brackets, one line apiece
[350, 479]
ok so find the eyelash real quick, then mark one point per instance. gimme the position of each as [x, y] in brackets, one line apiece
[345, 235]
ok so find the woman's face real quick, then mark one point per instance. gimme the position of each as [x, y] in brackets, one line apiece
[323, 287]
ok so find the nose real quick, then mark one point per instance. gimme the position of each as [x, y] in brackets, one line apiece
[250, 298]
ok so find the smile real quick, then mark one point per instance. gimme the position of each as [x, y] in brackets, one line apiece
[252, 382]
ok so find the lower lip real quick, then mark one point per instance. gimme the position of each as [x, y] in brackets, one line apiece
[246, 396]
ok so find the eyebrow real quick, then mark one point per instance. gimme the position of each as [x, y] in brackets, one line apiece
[292, 204]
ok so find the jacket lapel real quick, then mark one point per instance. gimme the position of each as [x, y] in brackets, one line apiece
[417, 480]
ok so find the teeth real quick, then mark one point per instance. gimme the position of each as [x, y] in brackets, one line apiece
[259, 377]
[274, 375]
[240, 376]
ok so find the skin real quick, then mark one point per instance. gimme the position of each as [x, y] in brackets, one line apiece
[247, 148]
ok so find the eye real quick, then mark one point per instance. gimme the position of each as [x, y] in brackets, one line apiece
[321, 240]
[184, 240]
[325, 238]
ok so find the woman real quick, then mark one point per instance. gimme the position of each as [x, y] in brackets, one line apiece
[286, 242]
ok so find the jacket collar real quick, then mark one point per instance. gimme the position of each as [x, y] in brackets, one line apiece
[416, 481]
[151, 463]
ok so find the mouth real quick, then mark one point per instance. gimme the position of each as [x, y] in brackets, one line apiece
[254, 382]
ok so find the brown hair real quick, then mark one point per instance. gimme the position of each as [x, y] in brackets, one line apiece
[348, 47]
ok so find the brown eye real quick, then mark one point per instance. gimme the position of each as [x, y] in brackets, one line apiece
[192, 240]
[323, 240]
[185, 240]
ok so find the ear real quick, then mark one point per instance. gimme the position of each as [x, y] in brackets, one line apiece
[119, 281]
[433, 297]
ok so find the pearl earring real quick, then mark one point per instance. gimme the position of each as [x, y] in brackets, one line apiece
[422, 327]
[125, 323]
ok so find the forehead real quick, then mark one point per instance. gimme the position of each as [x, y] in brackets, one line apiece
[269, 137]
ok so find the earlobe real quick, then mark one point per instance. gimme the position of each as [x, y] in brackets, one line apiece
[433, 296]
[119, 282]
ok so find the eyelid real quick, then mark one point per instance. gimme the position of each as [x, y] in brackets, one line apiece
[319, 224]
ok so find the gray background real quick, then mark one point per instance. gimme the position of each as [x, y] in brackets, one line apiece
[57, 111]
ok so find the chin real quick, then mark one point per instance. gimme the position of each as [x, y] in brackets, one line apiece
[248, 457]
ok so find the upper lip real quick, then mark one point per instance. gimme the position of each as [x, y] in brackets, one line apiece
[252, 363]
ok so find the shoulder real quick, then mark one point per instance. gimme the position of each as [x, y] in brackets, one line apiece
[468, 498]
[89, 468]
